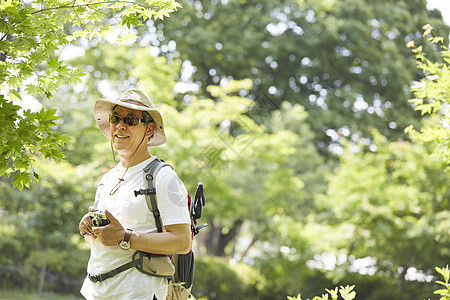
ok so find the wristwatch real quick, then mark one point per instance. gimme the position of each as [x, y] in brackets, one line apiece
[125, 243]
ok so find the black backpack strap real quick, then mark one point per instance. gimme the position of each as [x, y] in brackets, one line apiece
[150, 172]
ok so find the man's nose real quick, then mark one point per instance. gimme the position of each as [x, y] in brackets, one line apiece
[121, 124]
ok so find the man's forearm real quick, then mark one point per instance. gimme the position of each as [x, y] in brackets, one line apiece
[175, 240]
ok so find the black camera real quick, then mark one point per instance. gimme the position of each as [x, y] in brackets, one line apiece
[98, 218]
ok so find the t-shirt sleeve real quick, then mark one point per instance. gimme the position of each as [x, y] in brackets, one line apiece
[172, 199]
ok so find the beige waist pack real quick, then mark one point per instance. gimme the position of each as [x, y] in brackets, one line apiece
[154, 265]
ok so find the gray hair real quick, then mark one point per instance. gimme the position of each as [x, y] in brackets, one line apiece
[147, 118]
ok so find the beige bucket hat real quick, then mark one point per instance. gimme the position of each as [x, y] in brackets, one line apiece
[134, 99]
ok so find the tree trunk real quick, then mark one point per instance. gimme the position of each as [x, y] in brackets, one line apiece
[216, 241]
[42, 278]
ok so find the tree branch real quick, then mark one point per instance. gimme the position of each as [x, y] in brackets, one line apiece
[244, 254]
[4, 36]
[87, 5]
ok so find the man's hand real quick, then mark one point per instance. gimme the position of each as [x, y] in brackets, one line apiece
[85, 224]
[111, 234]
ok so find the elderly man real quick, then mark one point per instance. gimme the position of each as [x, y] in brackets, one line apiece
[133, 125]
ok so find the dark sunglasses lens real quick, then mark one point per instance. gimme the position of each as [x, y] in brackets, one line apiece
[131, 121]
[113, 119]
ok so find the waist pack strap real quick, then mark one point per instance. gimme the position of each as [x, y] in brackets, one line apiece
[104, 276]
[136, 262]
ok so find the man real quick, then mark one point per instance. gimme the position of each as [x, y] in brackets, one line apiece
[133, 124]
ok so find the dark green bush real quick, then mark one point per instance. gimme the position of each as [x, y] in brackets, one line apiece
[216, 279]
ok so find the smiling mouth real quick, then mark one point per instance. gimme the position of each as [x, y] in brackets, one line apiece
[119, 136]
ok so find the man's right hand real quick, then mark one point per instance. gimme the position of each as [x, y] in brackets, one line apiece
[85, 224]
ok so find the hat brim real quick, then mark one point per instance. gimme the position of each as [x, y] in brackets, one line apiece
[103, 108]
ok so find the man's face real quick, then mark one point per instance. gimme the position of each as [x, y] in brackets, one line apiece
[127, 138]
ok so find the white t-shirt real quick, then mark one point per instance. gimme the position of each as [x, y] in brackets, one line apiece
[133, 213]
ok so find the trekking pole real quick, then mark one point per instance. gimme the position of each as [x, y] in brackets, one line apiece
[199, 202]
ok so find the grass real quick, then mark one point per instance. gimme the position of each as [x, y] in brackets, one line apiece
[21, 295]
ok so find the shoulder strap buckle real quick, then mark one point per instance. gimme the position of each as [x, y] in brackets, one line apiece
[144, 192]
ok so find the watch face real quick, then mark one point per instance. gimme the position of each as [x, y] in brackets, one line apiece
[124, 245]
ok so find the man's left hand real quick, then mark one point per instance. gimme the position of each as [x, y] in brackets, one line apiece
[111, 234]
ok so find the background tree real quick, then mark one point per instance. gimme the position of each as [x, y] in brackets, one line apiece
[390, 207]
[344, 61]
[41, 248]
[431, 94]
[31, 34]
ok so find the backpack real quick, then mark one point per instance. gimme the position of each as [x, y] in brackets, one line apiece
[181, 282]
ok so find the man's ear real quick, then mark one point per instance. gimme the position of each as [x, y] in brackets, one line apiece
[150, 129]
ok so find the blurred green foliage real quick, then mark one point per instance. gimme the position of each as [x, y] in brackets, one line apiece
[347, 292]
[431, 96]
[217, 279]
[39, 226]
[285, 215]
[31, 33]
[23, 295]
[344, 61]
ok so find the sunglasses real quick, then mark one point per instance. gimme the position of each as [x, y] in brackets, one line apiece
[127, 120]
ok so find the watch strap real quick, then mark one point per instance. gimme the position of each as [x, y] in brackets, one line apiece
[127, 235]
